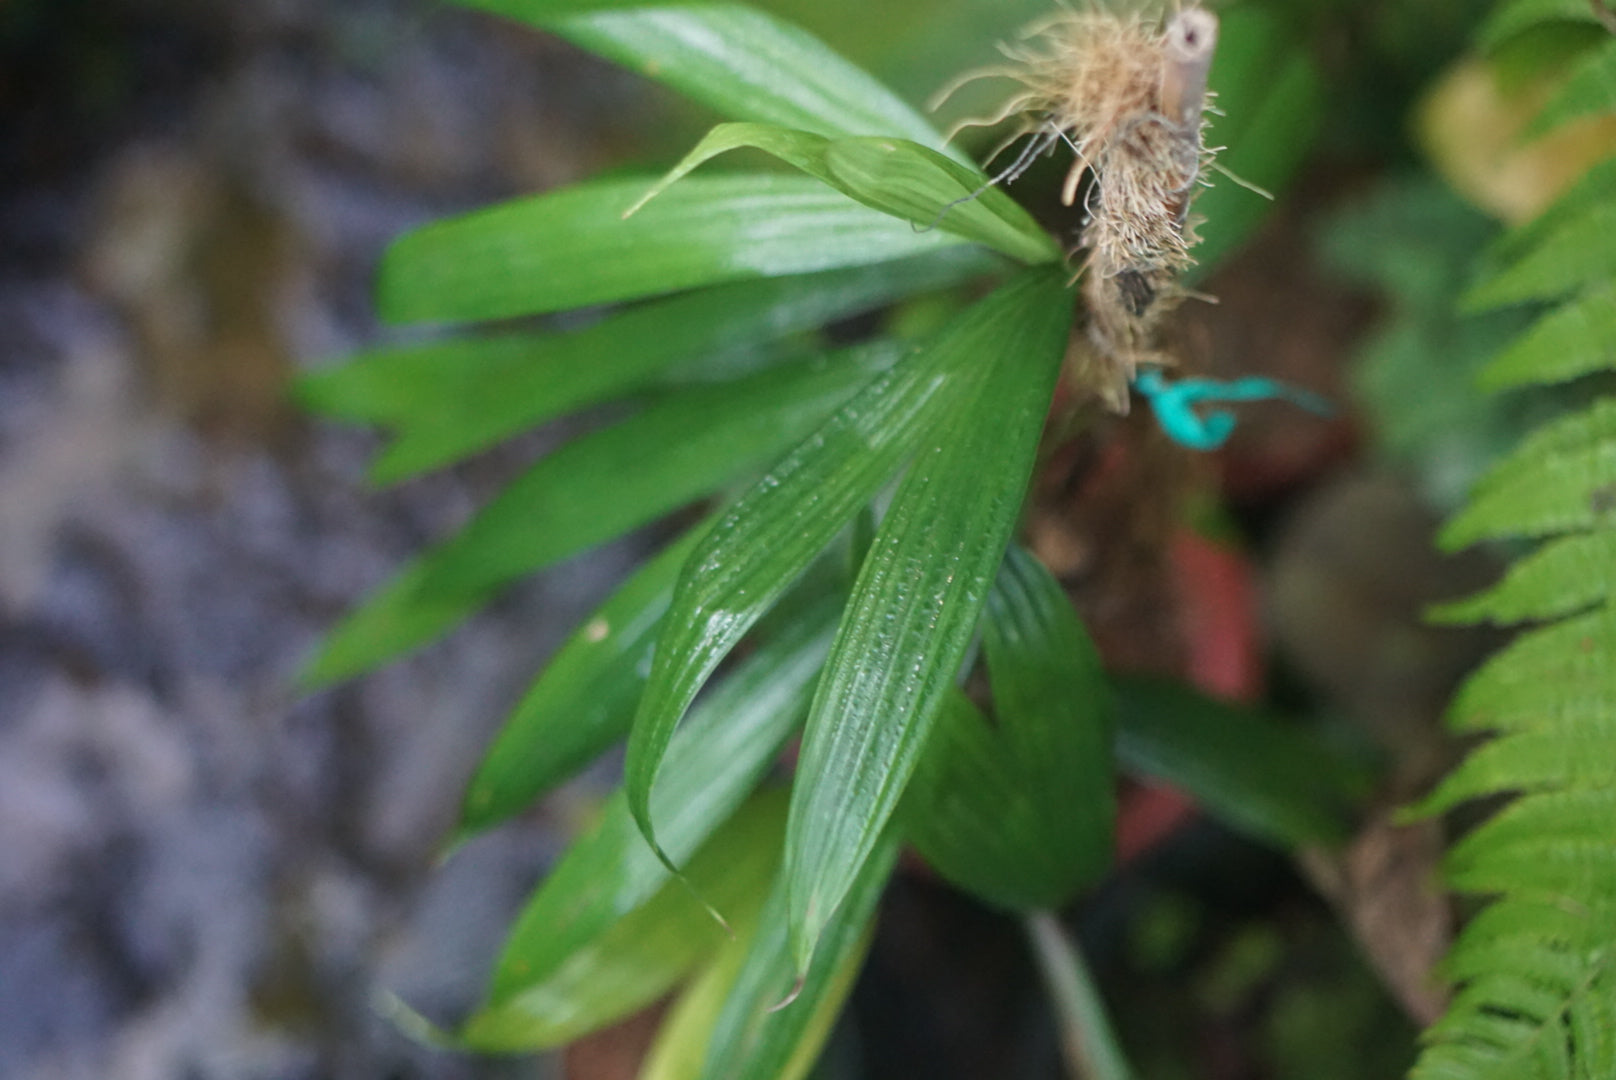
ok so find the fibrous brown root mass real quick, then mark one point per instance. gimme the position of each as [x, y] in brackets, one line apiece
[1127, 93]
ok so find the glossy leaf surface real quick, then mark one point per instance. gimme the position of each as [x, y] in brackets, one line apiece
[1020, 812]
[746, 64]
[893, 176]
[774, 1025]
[919, 592]
[571, 248]
[765, 539]
[592, 489]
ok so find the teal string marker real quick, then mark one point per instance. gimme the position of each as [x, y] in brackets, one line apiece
[1174, 404]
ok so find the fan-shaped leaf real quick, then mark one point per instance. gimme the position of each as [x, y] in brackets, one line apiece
[675, 451]
[743, 63]
[916, 601]
[757, 1035]
[765, 539]
[610, 892]
[890, 175]
[680, 1048]
[922, 186]
[570, 248]
[729, 743]
[582, 702]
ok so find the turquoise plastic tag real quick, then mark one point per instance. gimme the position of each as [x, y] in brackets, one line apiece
[1174, 404]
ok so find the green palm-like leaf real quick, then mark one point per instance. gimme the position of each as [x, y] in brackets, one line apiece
[918, 594]
[571, 248]
[743, 63]
[447, 399]
[597, 487]
[582, 702]
[770, 534]
[1268, 780]
[893, 176]
[775, 1020]
[588, 951]
[1020, 813]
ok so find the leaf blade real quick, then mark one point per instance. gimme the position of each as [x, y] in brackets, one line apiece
[1021, 814]
[1575, 339]
[1260, 778]
[445, 586]
[581, 703]
[774, 530]
[755, 1035]
[894, 176]
[748, 65]
[630, 959]
[1569, 257]
[915, 604]
[675, 451]
[447, 399]
[570, 248]
[1589, 90]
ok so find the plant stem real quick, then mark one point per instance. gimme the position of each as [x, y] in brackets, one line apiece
[1091, 1047]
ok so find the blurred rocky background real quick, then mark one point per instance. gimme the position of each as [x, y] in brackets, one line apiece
[202, 874]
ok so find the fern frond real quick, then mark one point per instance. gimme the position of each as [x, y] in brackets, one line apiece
[1578, 252]
[1576, 339]
[1589, 91]
[1561, 578]
[1535, 971]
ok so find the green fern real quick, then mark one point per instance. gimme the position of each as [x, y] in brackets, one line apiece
[1535, 971]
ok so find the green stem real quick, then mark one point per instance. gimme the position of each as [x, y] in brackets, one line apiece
[1092, 1050]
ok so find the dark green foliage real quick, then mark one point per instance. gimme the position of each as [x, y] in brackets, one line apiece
[866, 499]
